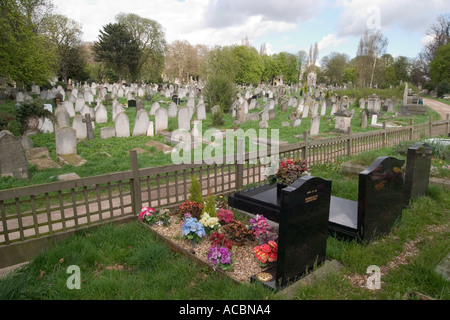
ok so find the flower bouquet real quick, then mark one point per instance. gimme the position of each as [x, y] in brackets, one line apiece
[266, 253]
[210, 223]
[262, 230]
[192, 230]
[220, 257]
[289, 171]
[225, 216]
[148, 215]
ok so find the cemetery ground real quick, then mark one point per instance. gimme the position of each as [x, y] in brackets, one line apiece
[126, 261]
[105, 156]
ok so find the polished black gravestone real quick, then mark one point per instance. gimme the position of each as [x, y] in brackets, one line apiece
[379, 205]
[261, 200]
[132, 103]
[417, 173]
[303, 231]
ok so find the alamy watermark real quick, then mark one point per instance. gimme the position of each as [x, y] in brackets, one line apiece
[226, 147]
[74, 281]
[374, 280]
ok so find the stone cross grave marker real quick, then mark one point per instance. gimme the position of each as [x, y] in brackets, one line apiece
[89, 129]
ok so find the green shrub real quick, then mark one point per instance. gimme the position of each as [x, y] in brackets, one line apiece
[443, 88]
[31, 108]
[195, 190]
[220, 90]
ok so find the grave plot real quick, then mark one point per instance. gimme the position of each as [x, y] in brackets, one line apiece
[379, 205]
[303, 231]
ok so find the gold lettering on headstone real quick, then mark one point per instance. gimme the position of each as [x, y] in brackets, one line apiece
[311, 197]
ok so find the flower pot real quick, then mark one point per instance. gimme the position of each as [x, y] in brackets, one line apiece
[280, 186]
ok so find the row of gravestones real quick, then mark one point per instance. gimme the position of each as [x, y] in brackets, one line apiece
[307, 212]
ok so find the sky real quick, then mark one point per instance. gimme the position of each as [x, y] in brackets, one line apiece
[282, 25]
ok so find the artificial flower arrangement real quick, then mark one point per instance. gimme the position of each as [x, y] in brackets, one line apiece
[266, 253]
[220, 257]
[289, 171]
[225, 232]
[192, 229]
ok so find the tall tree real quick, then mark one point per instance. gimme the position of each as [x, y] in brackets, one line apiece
[118, 49]
[439, 34]
[25, 56]
[250, 66]
[333, 66]
[182, 61]
[150, 38]
[371, 46]
[440, 66]
[65, 35]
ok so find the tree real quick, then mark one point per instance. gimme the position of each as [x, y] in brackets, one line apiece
[250, 67]
[150, 38]
[439, 33]
[182, 61]
[371, 46]
[118, 49]
[65, 35]
[333, 66]
[25, 56]
[440, 66]
[402, 66]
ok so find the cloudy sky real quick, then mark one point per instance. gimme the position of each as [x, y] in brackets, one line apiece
[283, 25]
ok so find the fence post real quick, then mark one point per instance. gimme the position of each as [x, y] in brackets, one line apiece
[240, 160]
[411, 129]
[349, 143]
[136, 196]
[384, 134]
[448, 125]
[431, 126]
[305, 148]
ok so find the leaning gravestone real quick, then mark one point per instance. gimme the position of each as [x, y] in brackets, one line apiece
[13, 162]
[89, 123]
[303, 231]
[379, 205]
[417, 175]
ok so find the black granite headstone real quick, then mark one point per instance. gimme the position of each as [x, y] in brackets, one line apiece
[132, 103]
[379, 205]
[417, 174]
[303, 230]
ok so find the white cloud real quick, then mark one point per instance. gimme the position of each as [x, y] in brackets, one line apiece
[410, 15]
[329, 42]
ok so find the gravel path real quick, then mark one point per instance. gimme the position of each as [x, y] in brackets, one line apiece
[440, 107]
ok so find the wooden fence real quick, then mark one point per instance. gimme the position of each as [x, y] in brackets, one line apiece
[33, 216]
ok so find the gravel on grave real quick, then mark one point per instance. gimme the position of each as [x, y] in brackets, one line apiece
[245, 264]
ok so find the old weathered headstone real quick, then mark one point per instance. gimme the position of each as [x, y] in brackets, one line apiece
[122, 125]
[161, 120]
[184, 122]
[13, 162]
[62, 118]
[107, 132]
[66, 141]
[315, 124]
[101, 114]
[141, 123]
